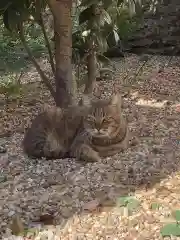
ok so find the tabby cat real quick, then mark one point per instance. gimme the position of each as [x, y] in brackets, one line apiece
[104, 131]
[52, 132]
[96, 129]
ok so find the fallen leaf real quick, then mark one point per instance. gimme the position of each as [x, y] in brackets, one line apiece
[176, 214]
[171, 229]
[17, 226]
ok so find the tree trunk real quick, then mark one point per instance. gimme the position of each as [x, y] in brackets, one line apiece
[91, 67]
[61, 11]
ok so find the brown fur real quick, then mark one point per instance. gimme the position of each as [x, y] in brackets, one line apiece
[96, 129]
[104, 131]
[52, 132]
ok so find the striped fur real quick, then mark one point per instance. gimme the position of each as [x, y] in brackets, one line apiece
[104, 131]
[95, 129]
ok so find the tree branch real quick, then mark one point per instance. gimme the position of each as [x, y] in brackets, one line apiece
[51, 60]
[39, 70]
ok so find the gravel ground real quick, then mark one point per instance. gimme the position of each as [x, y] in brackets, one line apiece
[73, 200]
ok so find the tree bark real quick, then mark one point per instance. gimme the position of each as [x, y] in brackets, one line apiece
[91, 67]
[61, 11]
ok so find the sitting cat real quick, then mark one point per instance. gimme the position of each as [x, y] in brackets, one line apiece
[85, 132]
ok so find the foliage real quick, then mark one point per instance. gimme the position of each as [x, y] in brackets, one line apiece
[127, 24]
[127, 205]
[13, 57]
[17, 17]
[94, 21]
[172, 229]
[107, 24]
[97, 26]
[128, 201]
[176, 215]
[155, 206]
[10, 86]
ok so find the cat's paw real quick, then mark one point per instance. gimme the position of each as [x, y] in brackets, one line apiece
[93, 157]
[86, 154]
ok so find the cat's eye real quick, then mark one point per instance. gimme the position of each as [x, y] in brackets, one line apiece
[106, 120]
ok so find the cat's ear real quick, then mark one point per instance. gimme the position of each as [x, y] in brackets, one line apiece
[52, 111]
[86, 101]
[116, 100]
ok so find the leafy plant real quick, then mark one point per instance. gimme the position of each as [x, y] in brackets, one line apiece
[129, 204]
[128, 201]
[177, 215]
[172, 229]
[94, 30]
[155, 206]
[101, 25]
[10, 87]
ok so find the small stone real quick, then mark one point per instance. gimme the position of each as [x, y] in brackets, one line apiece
[3, 149]
[11, 213]
[157, 149]
[92, 205]
[3, 178]
[134, 141]
[66, 212]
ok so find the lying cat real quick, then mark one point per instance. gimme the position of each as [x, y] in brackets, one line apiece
[104, 131]
[96, 129]
[52, 132]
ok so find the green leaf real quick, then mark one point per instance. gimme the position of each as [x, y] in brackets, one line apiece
[177, 215]
[86, 33]
[133, 204]
[171, 229]
[102, 44]
[116, 36]
[106, 17]
[123, 201]
[127, 201]
[14, 15]
[11, 19]
[88, 3]
[102, 19]
[155, 206]
[86, 15]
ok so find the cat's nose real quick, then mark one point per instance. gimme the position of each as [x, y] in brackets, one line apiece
[98, 126]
